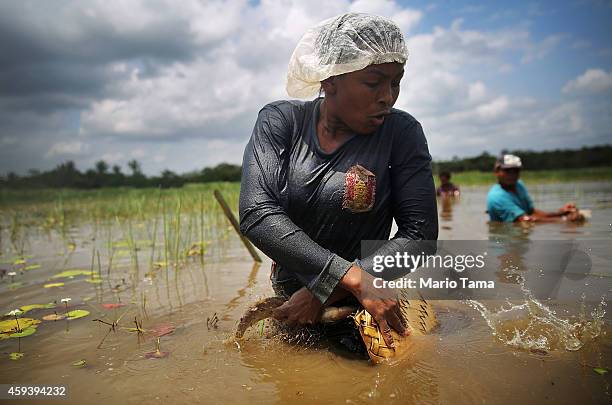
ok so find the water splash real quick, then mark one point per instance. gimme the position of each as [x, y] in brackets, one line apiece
[533, 326]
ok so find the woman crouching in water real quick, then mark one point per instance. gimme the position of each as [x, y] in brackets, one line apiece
[321, 176]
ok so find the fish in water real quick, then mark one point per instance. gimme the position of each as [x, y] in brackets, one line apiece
[264, 309]
[417, 314]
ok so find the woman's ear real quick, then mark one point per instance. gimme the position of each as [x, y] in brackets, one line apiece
[329, 86]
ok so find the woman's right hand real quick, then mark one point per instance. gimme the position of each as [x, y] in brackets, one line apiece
[381, 303]
[568, 208]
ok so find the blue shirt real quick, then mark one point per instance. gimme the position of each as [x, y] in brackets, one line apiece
[507, 206]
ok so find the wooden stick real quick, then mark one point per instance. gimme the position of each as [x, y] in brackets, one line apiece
[230, 215]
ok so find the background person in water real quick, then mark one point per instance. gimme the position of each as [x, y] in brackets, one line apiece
[447, 189]
[509, 201]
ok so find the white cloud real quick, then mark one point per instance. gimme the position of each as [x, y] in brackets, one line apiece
[406, 18]
[137, 153]
[159, 158]
[494, 108]
[539, 50]
[112, 157]
[477, 91]
[232, 78]
[69, 148]
[592, 81]
[464, 117]
[217, 94]
[195, 109]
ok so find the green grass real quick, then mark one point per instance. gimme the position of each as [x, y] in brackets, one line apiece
[474, 178]
[172, 221]
[121, 202]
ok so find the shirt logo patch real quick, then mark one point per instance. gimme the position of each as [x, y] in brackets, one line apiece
[359, 189]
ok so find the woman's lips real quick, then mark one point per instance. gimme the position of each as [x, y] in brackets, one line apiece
[378, 119]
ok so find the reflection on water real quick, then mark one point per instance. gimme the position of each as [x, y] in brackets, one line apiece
[483, 351]
[446, 203]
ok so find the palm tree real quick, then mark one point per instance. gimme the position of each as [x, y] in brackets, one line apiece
[134, 167]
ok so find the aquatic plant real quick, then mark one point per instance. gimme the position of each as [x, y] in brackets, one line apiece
[16, 313]
[157, 354]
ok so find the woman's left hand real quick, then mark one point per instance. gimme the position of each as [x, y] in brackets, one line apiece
[302, 308]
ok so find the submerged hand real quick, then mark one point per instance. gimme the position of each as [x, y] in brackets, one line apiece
[302, 308]
[575, 216]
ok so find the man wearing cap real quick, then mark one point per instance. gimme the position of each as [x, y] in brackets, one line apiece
[509, 201]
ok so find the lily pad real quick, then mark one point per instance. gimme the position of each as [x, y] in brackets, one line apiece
[163, 329]
[77, 313]
[600, 370]
[72, 273]
[113, 305]
[13, 325]
[27, 308]
[94, 280]
[15, 356]
[157, 354]
[80, 363]
[15, 285]
[32, 267]
[25, 332]
[19, 261]
[53, 317]
[51, 285]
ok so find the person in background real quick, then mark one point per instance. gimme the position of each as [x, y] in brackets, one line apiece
[447, 189]
[509, 201]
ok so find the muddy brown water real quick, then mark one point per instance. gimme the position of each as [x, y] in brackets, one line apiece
[475, 356]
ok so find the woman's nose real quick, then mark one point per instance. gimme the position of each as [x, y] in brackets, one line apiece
[385, 96]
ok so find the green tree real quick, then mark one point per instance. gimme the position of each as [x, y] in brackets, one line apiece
[134, 167]
[101, 167]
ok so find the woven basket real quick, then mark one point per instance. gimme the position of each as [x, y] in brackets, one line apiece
[417, 315]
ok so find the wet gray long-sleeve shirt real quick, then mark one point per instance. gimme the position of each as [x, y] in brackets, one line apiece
[309, 210]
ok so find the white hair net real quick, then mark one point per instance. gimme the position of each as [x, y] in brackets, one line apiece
[342, 44]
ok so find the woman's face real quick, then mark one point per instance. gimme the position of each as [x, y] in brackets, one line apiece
[362, 99]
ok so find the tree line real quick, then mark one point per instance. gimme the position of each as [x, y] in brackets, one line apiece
[67, 175]
[586, 157]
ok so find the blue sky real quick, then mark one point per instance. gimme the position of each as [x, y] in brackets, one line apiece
[584, 28]
[177, 85]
